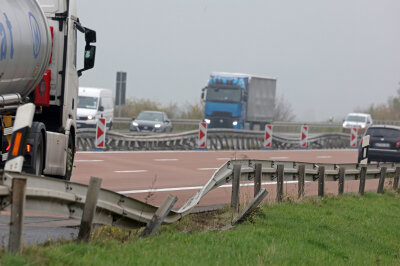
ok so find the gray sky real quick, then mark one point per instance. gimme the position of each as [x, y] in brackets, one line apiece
[330, 57]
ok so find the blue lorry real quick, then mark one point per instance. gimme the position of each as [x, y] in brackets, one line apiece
[238, 101]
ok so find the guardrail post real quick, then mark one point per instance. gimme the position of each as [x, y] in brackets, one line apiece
[302, 174]
[17, 215]
[257, 178]
[279, 182]
[159, 216]
[396, 179]
[382, 180]
[321, 181]
[342, 174]
[251, 207]
[89, 209]
[237, 169]
[363, 174]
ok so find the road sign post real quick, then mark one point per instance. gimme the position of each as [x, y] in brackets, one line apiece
[364, 150]
[101, 133]
[268, 137]
[304, 137]
[202, 143]
[120, 90]
[353, 137]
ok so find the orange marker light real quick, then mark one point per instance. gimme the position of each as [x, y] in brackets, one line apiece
[28, 148]
[17, 143]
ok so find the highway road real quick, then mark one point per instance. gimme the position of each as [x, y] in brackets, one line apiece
[150, 176]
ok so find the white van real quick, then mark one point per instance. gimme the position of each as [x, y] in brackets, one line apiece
[94, 103]
[359, 120]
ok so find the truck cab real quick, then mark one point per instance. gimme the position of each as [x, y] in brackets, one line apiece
[225, 101]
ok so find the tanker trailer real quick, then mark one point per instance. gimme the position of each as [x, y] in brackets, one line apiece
[38, 48]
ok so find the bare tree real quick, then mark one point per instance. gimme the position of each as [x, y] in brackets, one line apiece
[283, 110]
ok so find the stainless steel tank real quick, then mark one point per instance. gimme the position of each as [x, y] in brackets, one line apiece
[25, 46]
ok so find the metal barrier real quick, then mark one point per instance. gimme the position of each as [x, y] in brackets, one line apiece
[58, 197]
[217, 139]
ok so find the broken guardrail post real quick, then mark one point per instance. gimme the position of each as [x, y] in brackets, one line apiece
[89, 209]
[342, 174]
[251, 207]
[17, 215]
[257, 179]
[396, 179]
[159, 216]
[382, 180]
[237, 171]
[279, 182]
[302, 174]
[363, 174]
[321, 181]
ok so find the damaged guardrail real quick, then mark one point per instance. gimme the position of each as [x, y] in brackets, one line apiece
[59, 197]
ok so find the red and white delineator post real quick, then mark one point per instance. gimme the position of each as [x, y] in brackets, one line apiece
[304, 137]
[100, 133]
[268, 137]
[353, 137]
[202, 142]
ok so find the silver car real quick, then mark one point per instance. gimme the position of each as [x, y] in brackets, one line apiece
[151, 121]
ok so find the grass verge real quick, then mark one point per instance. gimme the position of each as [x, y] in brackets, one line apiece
[345, 230]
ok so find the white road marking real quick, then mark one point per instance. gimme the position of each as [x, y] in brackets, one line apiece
[224, 159]
[214, 151]
[165, 160]
[88, 161]
[131, 171]
[324, 156]
[279, 158]
[194, 188]
[207, 169]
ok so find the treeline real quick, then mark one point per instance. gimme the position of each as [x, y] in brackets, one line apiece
[134, 106]
[283, 110]
[385, 111]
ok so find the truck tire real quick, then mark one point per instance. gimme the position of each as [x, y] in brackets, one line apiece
[38, 158]
[70, 158]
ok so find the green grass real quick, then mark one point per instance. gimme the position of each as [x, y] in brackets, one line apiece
[346, 230]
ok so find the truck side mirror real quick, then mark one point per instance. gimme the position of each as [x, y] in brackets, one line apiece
[90, 50]
[90, 35]
[101, 108]
[90, 54]
[202, 95]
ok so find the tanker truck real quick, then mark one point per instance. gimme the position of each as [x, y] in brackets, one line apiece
[38, 66]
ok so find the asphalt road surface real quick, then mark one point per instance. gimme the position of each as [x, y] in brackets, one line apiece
[150, 176]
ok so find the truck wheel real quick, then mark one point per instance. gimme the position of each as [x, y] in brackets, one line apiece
[38, 164]
[70, 159]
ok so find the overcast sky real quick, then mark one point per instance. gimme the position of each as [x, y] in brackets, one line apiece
[330, 57]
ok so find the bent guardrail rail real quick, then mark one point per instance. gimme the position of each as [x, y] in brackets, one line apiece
[217, 139]
[58, 197]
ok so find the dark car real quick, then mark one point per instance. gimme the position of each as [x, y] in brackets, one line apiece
[151, 121]
[384, 144]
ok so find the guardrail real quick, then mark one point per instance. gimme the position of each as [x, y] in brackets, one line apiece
[58, 197]
[217, 139]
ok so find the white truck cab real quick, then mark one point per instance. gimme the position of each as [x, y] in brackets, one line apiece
[38, 64]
